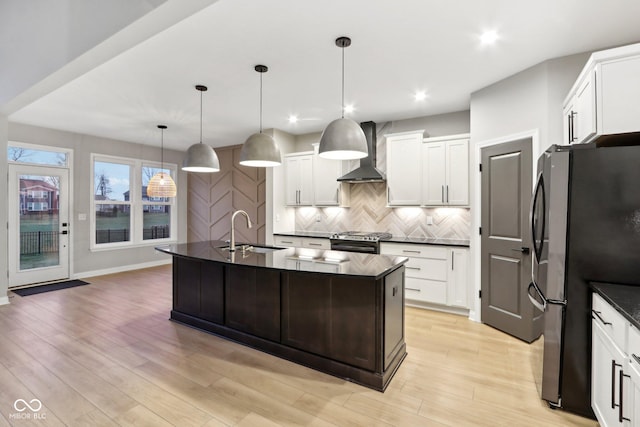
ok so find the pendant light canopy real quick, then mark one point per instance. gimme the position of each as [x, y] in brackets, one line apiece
[201, 157]
[260, 150]
[161, 184]
[343, 139]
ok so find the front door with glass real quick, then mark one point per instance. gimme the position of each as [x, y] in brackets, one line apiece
[38, 224]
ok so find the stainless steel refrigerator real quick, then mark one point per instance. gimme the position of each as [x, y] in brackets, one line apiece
[585, 225]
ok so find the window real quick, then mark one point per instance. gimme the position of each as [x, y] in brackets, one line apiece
[123, 214]
[156, 211]
[26, 153]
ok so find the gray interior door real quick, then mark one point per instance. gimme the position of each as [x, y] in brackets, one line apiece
[506, 240]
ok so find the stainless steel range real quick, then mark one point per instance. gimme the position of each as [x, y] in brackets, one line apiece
[358, 241]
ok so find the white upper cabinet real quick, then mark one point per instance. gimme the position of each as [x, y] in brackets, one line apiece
[605, 98]
[445, 171]
[327, 190]
[404, 168]
[311, 180]
[299, 179]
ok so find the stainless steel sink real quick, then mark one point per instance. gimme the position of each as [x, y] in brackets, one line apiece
[252, 248]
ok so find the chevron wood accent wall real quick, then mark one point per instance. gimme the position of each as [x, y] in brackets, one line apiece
[368, 212]
[213, 197]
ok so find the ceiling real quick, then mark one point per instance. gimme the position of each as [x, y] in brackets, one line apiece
[398, 48]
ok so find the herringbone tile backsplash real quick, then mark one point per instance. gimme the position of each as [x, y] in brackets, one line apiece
[368, 212]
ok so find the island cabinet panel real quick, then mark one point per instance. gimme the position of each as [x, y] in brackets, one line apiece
[393, 315]
[332, 316]
[305, 312]
[198, 289]
[252, 300]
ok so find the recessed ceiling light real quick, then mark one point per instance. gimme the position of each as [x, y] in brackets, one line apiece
[348, 109]
[489, 37]
[293, 119]
[420, 95]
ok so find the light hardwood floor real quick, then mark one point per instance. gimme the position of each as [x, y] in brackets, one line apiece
[106, 354]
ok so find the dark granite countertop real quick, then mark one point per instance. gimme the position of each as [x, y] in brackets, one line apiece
[317, 234]
[394, 239]
[624, 298]
[296, 259]
[429, 241]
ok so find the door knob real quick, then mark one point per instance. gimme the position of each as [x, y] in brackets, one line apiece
[523, 249]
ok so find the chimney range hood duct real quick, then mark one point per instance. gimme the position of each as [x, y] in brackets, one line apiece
[367, 171]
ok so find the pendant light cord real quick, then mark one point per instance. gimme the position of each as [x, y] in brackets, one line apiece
[161, 150]
[261, 102]
[200, 117]
[343, 82]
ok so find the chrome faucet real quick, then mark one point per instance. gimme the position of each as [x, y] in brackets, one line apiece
[232, 244]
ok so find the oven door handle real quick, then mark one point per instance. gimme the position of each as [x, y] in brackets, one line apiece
[353, 248]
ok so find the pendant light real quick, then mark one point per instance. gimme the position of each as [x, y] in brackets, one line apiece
[201, 157]
[260, 150]
[343, 139]
[161, 184]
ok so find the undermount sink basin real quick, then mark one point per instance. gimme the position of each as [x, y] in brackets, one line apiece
[252, 248]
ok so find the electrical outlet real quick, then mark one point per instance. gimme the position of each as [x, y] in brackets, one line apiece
[429, 220]
[82, 217]
[318, 218]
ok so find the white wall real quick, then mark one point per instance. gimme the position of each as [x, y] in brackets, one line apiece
[4, 212]
[84, 261]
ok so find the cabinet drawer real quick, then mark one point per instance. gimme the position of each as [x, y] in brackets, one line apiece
[610, 320]
[417, 251]
[287, 241]
[425, 290]
[316, 243]
[634, 348]
[427, 268]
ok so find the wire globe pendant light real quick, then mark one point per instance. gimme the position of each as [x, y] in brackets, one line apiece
[201, 157]
[161, 184]
[260, 150]
[343, 139]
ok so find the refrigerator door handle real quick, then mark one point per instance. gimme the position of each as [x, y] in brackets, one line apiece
[542, 307]
[545, 301]
[537, 250]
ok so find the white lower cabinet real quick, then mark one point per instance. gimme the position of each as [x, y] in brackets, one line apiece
[615, 367]
[433, 274]
[302, 242]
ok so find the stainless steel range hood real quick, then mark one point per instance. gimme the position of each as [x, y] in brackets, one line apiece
[367, 172]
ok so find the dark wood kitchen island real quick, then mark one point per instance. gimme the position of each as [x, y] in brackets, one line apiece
[341, 313]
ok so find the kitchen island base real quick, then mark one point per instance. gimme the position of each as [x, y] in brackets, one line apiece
[348, 326]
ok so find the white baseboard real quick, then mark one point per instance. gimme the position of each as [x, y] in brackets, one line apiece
[121, 269]
[436, 307]
[4, 300]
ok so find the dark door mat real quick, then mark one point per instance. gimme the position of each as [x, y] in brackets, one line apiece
[50, 287]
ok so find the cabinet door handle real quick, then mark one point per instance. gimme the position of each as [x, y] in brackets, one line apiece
[413, 268]
[442, 193]
[337, 195]
[613, 383]
[573, 122]
[599, 316]
[408, 251]
[453, 255]
[285, 241]
[395, 291]
[413, 289]
[447, 194]
[621, 418]
[636, 358]
[315, 244]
